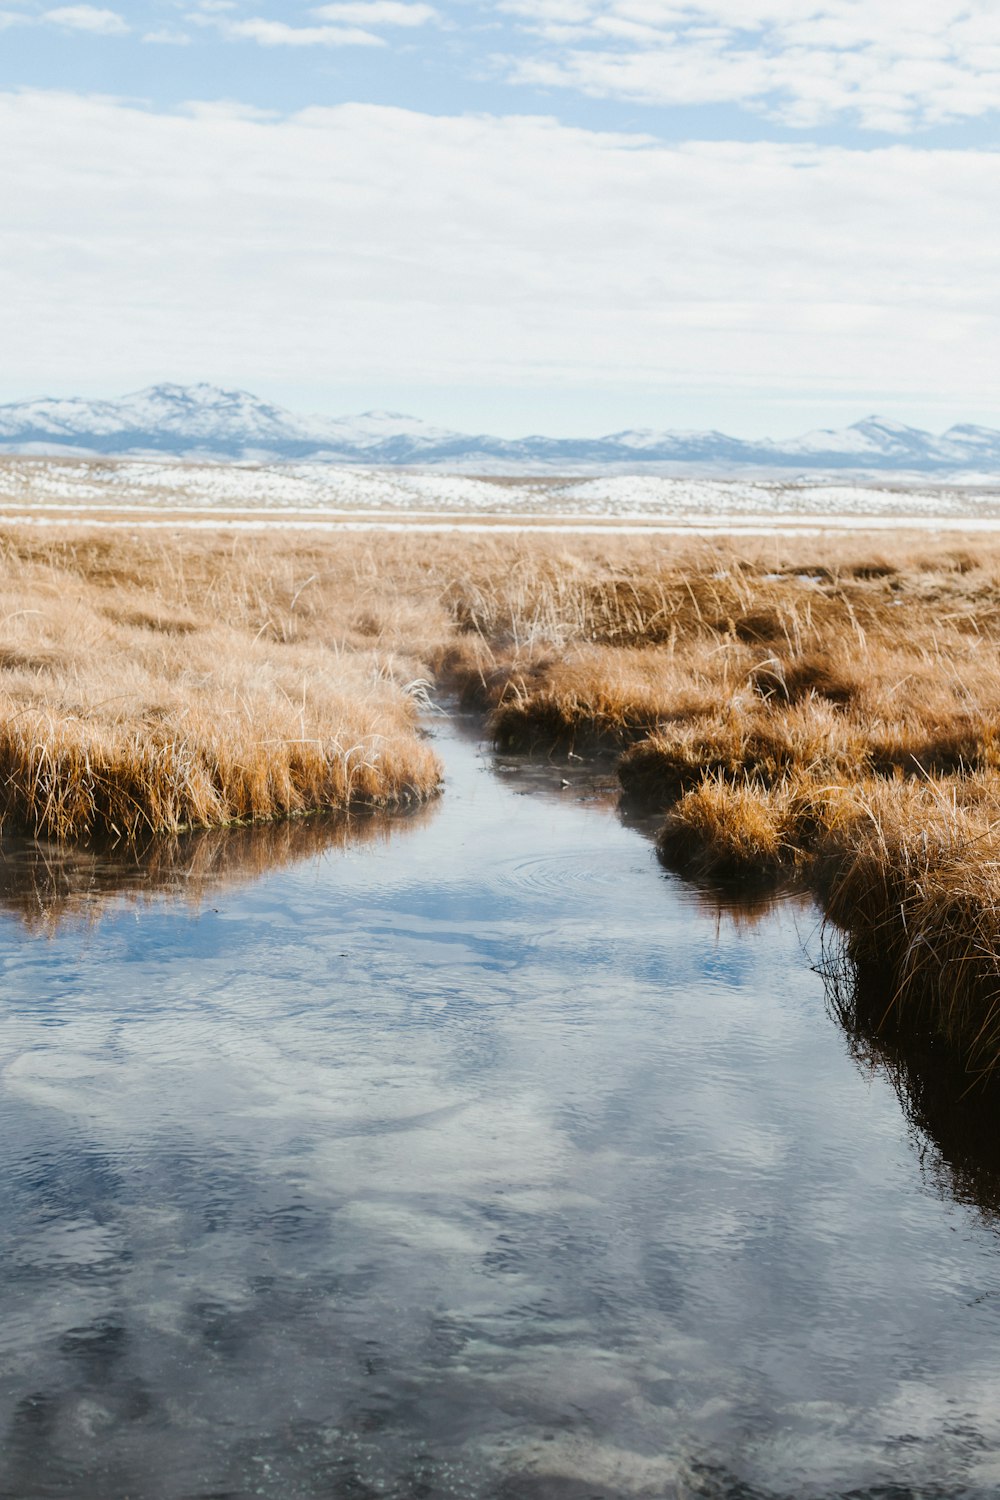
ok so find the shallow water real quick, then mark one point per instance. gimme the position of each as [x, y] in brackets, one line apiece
[475, 1157]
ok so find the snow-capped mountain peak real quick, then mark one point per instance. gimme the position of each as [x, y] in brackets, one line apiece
[210, 421]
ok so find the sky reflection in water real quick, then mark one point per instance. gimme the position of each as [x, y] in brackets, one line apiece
[478, 1161]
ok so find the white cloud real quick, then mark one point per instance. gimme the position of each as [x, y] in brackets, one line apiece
[891, 65]
[278, 34]
[379, 13]
[369, 244]
[87, 18]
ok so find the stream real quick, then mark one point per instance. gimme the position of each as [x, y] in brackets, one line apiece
[463, 1154]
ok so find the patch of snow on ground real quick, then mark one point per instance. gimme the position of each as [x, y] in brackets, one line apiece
[332, 490]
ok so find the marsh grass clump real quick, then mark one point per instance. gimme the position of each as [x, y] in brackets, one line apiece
[912, 877]
[65, 778]
[812, 675]
[725, 828]
[746, 742]
[554, 701]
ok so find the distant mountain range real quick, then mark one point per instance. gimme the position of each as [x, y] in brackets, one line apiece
[205, 422]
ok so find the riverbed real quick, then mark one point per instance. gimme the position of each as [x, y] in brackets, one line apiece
[464, 1154]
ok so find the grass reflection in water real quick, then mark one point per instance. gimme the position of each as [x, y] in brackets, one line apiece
[46, 883]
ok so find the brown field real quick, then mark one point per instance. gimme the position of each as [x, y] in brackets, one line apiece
[148, 687]
[799, 704]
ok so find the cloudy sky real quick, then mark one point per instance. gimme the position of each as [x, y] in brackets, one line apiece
[533, 215]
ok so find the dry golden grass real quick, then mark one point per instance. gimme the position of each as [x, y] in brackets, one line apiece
[911, 872]
[794, 703]
[727, 828]
[147, 690]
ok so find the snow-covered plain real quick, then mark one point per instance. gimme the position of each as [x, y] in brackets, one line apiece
[196, 493]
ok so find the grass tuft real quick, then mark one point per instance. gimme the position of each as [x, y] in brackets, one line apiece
[723, 828]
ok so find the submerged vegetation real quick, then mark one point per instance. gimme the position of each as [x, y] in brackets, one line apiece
[790, 705]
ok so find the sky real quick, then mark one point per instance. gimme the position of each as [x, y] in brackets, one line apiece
[561, 216]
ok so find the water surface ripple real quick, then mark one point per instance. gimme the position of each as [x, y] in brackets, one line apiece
[483, 1161]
